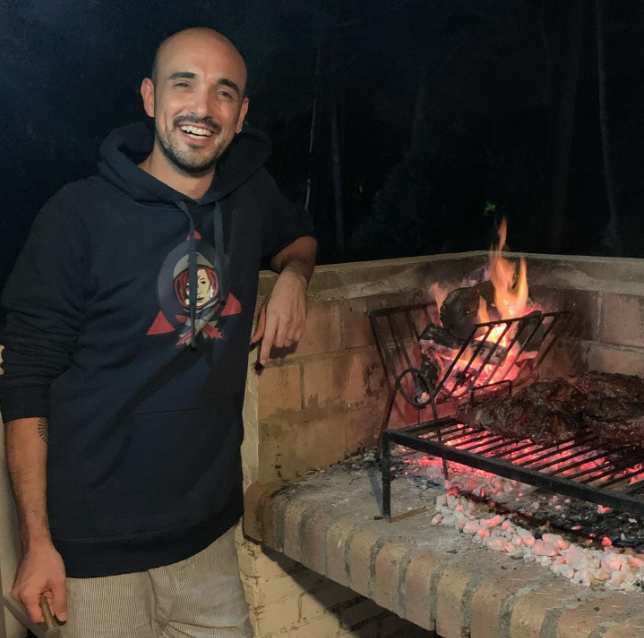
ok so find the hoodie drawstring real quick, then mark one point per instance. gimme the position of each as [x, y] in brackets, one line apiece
[220, 252]
[192, 275]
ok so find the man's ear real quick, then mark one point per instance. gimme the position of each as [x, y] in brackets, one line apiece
[242, 115]
[147, 93]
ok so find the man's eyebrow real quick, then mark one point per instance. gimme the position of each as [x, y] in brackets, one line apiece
[187, 75]
[230, 84]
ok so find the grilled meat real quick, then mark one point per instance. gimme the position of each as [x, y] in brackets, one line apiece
[543, 412]
[600, 385]
[616, 421]
[553, 410]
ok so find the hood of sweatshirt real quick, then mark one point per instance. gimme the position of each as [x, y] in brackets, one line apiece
[125, 148]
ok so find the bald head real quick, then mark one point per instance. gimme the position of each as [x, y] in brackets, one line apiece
[197, 97]
[197, 38]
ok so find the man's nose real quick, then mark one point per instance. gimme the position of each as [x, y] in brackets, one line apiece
[202, 104]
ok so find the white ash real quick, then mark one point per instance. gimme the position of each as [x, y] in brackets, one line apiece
[588, 523]
[599, 564]
[608, 567]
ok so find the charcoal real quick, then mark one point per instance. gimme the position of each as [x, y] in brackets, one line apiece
[434, 337]
[431, 370]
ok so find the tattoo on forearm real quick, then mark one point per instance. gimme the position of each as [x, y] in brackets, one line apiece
[43, 429]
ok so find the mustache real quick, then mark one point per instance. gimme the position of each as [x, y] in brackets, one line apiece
[208, 122]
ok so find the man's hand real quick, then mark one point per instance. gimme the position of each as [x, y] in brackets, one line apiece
[282, 317]
[41, 572]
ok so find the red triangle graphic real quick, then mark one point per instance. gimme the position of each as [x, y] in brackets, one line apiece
[233, 307]
[160, 326]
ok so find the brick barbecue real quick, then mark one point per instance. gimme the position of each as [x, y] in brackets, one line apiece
[320, 525]
[317, 558]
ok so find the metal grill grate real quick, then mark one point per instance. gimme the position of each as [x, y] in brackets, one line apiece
[578, 467]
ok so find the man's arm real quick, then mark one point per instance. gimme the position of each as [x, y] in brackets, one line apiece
[283, 316]
[41, 570]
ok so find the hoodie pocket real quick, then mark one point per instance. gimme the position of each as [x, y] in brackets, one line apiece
[178, 468]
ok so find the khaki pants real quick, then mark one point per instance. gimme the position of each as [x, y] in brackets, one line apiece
[201, 596]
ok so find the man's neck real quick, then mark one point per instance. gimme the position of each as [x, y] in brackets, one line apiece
[157, 165]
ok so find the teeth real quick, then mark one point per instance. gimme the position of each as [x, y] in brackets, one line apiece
[194, 130]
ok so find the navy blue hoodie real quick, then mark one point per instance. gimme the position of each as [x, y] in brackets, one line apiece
[142, 381]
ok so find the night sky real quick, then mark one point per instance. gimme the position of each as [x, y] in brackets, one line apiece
[442, 115]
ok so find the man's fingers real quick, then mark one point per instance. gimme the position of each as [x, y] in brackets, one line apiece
[261, 324]
[283, 335]
[267, 341]
[58, 602]
[32, 605]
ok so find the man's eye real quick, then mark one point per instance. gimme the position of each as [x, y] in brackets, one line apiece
[226, 95]
[181, 84]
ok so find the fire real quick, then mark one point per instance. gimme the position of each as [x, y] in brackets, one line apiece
[510, 289]
[438, 294]
[503, 353]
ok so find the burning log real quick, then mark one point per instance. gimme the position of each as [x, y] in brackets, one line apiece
[439, 348]
[460, 310]
[440, 340]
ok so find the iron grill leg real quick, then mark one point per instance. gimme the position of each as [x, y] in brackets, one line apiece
[386, 477]
[385, 420]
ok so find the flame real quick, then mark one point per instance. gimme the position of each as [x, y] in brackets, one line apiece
[510, 289]
[510, 302]
[483, 315]
[438, 293]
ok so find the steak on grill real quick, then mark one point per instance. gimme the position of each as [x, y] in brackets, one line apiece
[601, 385]
[544, 412]
[616, 421]
[553, 410]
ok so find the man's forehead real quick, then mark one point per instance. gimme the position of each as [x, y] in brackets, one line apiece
[201, 51]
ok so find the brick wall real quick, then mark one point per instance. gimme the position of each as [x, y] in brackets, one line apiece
[608, 297]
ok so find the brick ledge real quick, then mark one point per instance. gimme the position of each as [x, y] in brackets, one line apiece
[431, 576]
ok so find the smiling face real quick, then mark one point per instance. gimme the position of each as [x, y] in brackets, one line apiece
[196, 98]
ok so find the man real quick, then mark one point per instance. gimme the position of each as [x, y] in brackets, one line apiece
[129, 315]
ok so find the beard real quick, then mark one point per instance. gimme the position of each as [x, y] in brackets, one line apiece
[191, 162]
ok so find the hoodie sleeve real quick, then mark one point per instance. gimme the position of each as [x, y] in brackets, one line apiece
[282, 222]
[44, 310]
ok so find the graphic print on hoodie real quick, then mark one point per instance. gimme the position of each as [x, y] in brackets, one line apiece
[141, 380]
[212, 307]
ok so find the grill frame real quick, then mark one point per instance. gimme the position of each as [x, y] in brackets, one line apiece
[411, 437]
[394, 346]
